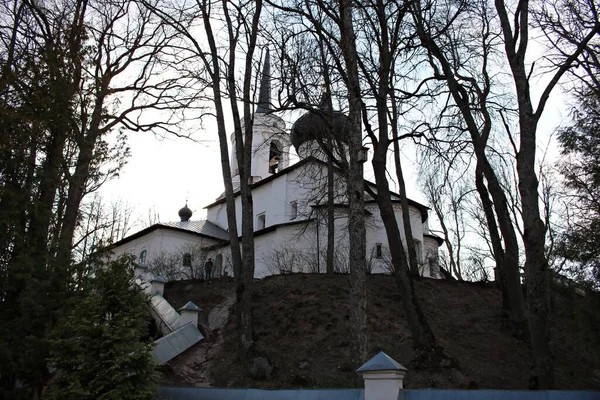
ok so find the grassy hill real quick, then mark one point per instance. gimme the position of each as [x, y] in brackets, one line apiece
[301, 327]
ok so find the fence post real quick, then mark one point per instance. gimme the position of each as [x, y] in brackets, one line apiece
[383, 377]
[189, 313]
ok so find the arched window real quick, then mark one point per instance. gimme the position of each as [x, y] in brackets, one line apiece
[274, 156]
[419, 251]
[234, 166]
[261, 221]
[187, 260]
[143, 255]
[294, 210]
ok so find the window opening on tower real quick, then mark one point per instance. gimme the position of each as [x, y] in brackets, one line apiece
[274, 156]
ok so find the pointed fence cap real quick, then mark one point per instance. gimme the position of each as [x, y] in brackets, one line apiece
[158, 278]
[264, 95]
[381, 362]
[190, 306]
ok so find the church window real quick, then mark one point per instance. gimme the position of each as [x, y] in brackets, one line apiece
[143, 255]
[378, 250]
[261, 221]
[293, 210]
[274, 156]
[187, 260]
[419, 251]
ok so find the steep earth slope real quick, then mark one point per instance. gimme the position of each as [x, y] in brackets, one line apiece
[301, 326]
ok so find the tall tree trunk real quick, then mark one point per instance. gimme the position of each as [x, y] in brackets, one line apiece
[410, 244]
[423, 338]
[330, 166]
[536, 263]
[534, 229]
[87, 139]
[244, 142]
[330, 213]
[76, 191]
[495, 240]
[213, 66]
[356, 193]
[479, 137]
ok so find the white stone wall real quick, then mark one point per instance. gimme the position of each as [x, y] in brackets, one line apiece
[431, 251]
[274, 198]
[161, 240]
[289, 247]
[297, 241]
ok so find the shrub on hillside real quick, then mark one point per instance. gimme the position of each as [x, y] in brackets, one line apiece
[97, 344]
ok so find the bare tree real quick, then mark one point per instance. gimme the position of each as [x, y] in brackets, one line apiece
[128, 38]
[366, 75]
[287, 259]
[323, 19]
[166, 264]
[62, 95]
[516, 27]
[100, 225]
[466, 73]
[448, 204]
[385, 26]
[214, 34]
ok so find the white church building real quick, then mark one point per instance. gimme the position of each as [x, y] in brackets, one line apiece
[290, 209]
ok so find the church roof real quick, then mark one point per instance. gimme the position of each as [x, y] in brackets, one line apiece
[422, 208]
[202, 228]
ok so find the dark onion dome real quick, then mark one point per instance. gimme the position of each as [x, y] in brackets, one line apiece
[315, 124]
[185, 213]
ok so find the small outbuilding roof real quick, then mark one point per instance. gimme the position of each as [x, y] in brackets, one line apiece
[158, 278]
[170, 346]
[381, 362]
[190, 306]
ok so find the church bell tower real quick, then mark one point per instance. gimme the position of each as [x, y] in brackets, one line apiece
[270, 143]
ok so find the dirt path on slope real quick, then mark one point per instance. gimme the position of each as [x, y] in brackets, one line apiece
[192, 367]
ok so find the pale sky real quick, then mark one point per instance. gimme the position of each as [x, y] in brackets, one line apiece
[162, 173]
